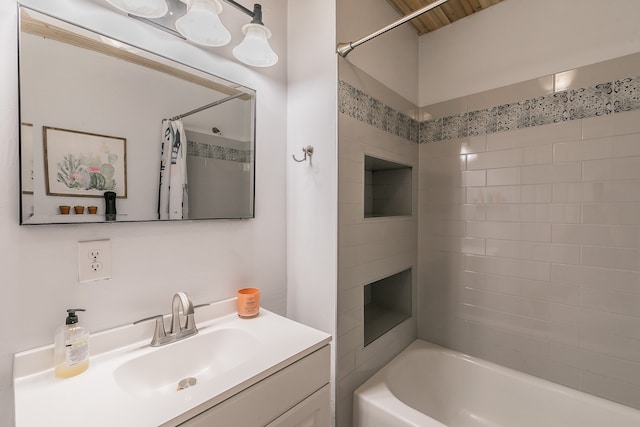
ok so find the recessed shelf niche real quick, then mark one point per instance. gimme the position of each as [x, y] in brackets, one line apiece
[387, 303]
[387, 188]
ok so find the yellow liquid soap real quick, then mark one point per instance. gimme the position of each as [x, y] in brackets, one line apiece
[64, 371]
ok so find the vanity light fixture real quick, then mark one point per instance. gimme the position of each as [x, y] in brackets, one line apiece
[199, 22]
[202, 25]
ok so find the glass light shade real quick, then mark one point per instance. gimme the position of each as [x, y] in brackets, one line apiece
[202, 25]
[255, 49]
[144, 8]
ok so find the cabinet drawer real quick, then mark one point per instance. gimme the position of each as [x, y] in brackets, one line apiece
[314, 411]
[263, 402]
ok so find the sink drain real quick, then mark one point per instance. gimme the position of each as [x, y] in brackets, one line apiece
[186, 383]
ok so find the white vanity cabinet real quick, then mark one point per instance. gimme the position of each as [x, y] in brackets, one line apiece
[297, 395]
[265, 371]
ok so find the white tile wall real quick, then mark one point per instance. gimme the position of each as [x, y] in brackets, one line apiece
[370, 249]
[548, 235]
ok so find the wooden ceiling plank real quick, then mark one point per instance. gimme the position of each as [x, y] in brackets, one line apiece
[440, 15]
[466, 6]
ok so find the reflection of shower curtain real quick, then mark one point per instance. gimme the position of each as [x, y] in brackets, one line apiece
[173, 201]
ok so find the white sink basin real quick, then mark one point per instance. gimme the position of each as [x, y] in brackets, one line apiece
[202, 357]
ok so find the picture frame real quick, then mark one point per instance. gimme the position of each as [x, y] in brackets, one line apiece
[82, 164]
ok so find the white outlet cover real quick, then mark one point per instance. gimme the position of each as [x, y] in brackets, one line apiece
[86, 270]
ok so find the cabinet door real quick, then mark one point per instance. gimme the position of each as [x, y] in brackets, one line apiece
[268, 399]
[314, 411]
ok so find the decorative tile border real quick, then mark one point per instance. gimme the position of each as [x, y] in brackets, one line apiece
[199, 149]
[358, 105]
[597, 100]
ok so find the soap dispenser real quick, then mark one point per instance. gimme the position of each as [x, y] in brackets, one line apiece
[71, 350]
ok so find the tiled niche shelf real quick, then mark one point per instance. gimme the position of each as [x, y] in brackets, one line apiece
[387, 303]
[387, 188]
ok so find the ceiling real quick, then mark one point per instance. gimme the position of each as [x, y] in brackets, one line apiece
[442, 15]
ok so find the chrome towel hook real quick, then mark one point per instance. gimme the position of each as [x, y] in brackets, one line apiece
[308, 151]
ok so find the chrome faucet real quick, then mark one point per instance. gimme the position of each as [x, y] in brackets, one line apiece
[181, 302]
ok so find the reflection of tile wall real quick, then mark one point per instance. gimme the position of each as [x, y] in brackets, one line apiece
[199, 149]
[364, 108]
[598, 100]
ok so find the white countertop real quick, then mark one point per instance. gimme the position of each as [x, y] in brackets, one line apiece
[94, 398]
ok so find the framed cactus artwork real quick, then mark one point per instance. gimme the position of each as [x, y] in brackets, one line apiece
[84, 164]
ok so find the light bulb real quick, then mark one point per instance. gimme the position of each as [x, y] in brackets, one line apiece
[202, 25]
[150, 9]
[255, 49]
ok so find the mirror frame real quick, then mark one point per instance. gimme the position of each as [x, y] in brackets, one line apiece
[51, 27]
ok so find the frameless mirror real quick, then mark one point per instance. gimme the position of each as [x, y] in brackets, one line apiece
[94, 115]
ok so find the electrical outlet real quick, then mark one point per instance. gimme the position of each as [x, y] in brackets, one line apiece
[94, 260]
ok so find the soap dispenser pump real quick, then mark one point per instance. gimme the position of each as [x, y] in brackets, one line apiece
[71, 351]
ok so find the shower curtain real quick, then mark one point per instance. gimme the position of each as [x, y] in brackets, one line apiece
[173, 201]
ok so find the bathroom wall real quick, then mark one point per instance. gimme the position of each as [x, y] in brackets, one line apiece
[519, 40]
[377, 112]
[530, 226]
[209, 260]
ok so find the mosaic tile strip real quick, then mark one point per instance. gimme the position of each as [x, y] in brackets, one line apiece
[199, 149]
[597, 100]
[360, 106]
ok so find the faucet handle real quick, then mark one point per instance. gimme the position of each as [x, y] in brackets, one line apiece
[159, 331]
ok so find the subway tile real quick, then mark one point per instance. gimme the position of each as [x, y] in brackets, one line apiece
[535, 232]
[503, 212]
[474, 178]
[612, 389]
[611, 169]
[540, 193]
[611, 124]
[507, 303]
[614, 302]
[525, 327]
[611, 213]
[565, 254]
[533, 289]
[503, 176]
[598, 278]
[508, 267]
[564, 313]
[596, 235]
[510, 158]
[501, 194]
[598, 191]
[483, 335]
[625, 259]
[611, 345]
[597, 363]
[610, 323]
[598, 148]
[553, 173]
[538, 135]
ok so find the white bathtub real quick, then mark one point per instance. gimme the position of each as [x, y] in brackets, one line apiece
[428, 386]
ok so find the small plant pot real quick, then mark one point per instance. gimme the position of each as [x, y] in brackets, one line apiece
[64, 210]
[79, 209]
[92, 210]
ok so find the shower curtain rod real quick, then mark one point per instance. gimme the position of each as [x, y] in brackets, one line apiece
[204, 107]
[343, 49]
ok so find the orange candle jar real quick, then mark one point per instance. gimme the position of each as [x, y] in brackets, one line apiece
[248, 302]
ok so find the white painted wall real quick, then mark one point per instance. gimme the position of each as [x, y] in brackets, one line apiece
[312, 213]
[517, 40]
[209, 260]
[391, 58]
[312, 185]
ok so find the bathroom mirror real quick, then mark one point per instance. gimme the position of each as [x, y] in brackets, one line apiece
[91, 121]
